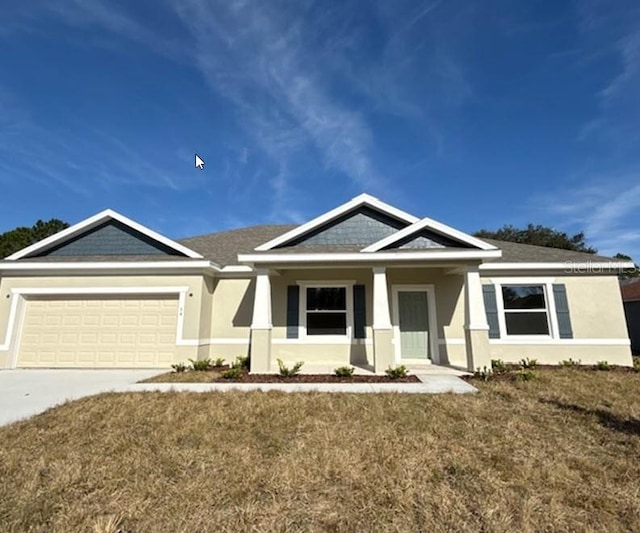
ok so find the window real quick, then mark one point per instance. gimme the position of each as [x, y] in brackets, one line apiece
[525, 310]
[326, 310]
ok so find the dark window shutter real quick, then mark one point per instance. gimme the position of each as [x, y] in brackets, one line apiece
[491, 309]
[359, 312]
[562, 311]
[293, 306]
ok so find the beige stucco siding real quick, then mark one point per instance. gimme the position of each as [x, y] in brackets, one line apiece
[194, 301]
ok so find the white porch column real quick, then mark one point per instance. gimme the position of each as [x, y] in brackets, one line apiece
[261, 324]
[382, 328]
[476, 327]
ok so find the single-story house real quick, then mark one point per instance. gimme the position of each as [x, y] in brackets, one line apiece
[631, 300]
[365, 283]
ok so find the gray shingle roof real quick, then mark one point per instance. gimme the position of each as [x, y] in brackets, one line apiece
[224, 247]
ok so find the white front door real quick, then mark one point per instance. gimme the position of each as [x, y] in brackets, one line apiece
[414, 316]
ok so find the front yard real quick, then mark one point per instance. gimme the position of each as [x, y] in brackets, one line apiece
[558, 452]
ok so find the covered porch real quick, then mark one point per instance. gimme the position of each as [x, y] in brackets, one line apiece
[429, 317]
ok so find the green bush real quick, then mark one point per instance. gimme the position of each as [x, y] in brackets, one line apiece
[201, 365]
[180, 367]
[242, 361]
[484, 373]
[218, 362]
[636, 364]
[397, 372]
[287, 372]
[344, 371]
[603, 365]
[570, 362]
[528, 363]
[498, 366]
[235, 372]
[525, 375]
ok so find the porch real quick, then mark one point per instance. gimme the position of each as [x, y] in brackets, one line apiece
[430, 318]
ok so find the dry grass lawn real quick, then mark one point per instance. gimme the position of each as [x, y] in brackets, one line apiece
[560, 453]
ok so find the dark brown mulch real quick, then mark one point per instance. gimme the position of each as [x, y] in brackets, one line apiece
[321, 378]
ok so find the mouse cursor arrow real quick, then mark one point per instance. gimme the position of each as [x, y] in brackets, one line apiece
[199, 162]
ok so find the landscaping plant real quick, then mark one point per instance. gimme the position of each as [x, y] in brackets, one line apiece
[498, 366]
[218, 362]
[287, 372]
[570, 362]
[344, 371]
[200, 365]
[242, 361]
[603, 365]
[397, 372]
[179, 367]
[235, 372]
[484, 373]
[528, 363]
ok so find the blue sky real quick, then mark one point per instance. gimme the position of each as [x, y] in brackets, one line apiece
[475, 113]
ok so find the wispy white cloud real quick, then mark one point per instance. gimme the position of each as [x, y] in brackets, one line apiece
[605, 210]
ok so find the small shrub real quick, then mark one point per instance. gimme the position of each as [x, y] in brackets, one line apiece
[242, 361]
[528, 363]
[344, 371]
[397, 372]
[287, 372]
[498, 366]
[484, 373]
[218, 362]
[570, 362]
[179, 367]
[201, 365]
[235, 372]
[636, 364]
[603, 365]
[525, 375]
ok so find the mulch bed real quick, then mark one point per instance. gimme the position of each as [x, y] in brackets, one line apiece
[320, 378]
[215, 375]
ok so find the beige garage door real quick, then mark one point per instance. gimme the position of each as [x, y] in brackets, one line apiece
[104, 331]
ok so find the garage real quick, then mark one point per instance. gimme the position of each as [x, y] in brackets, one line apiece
[99, 331]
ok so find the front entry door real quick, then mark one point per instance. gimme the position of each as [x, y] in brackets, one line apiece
[413, 325]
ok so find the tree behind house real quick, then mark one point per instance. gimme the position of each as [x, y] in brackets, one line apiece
[19, 238]
[540, 236]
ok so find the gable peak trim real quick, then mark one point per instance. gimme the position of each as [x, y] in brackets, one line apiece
[96, 220]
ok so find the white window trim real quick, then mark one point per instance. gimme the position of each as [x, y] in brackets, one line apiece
[302, 311]
[552, 318]
[433, 322]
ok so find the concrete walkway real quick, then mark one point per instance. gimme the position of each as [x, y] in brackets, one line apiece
[430, 384]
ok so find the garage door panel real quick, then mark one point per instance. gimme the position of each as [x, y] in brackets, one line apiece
[105, 331]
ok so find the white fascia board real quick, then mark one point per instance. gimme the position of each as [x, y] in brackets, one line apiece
[363, 199]
[438, 227]
[95, 220]
[106, 265]
[570, 267]
[360, 257]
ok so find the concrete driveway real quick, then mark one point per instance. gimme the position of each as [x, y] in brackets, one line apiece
[24, 393]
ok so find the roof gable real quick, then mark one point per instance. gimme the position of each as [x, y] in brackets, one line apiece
[336, 216]
[431, 230]
[110, 238]
[360, 227]
[104, 234]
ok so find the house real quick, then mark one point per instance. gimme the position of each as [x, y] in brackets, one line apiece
[631, 300]
[365, 283]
